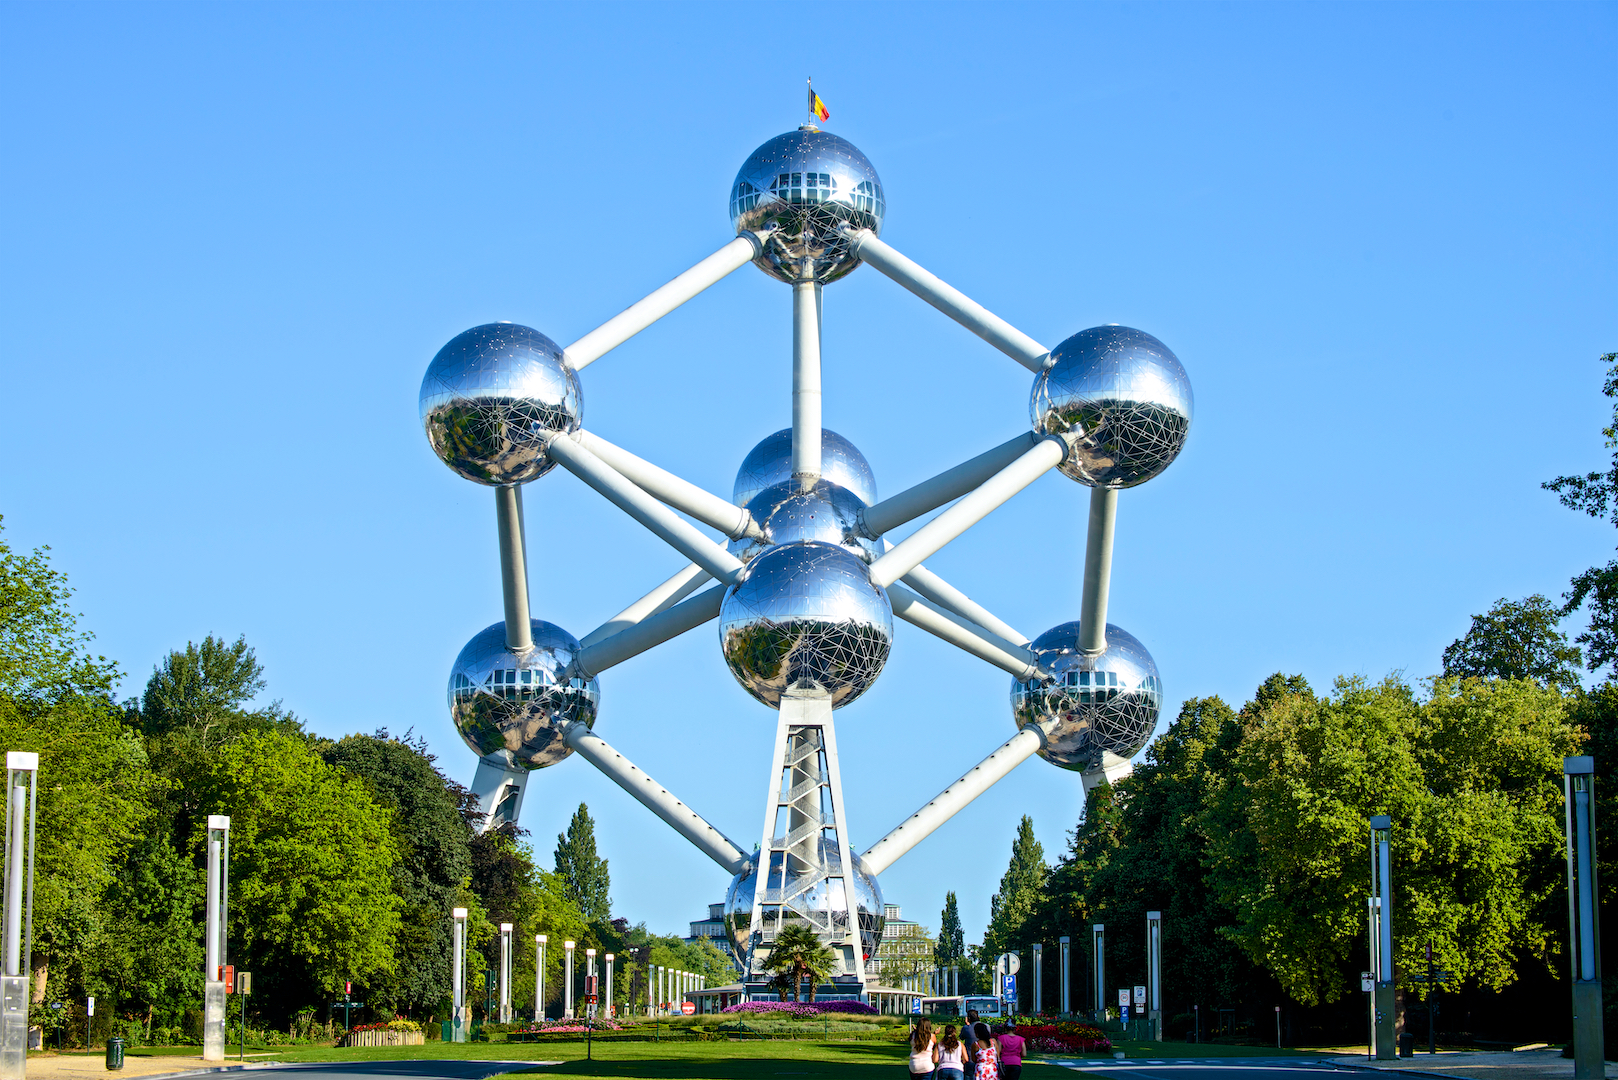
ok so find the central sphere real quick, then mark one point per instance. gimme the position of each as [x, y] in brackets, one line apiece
[770, 463]
[493, 398]
[797, 192]
[807, 617]
[815, 906]
[1106, 704]
[1121, 402]
[518, 705]
[788, 513]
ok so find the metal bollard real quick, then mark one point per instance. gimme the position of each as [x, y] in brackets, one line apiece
[115, 1053]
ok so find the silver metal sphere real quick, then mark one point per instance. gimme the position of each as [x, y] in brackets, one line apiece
[807, 617]
[518, 705]
[787, 514]
[493, 398]
[1102, 704]
[796, 192]
[820, 906]
[1119, 399]
[770, 463]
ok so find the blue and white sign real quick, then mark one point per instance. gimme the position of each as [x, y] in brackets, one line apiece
[1011, 987]
[915, 1005]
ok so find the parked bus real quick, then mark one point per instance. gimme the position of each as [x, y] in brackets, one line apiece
[983, 1004]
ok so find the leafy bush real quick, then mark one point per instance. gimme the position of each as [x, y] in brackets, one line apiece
[1064, 1037]
[803, 1008]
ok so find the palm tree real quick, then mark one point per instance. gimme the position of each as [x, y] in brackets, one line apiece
[799, 954]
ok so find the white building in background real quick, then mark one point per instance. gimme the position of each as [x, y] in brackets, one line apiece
[905, 955]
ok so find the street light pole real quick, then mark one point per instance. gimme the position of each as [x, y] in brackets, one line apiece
[608, 1000]
[213, 985]
[1067, 1004]
[539, 976]
[1584, 926]
[457, 1020]
[1098, 933]
[505, 972]
[22, 789]
[1382, 890]
[567, 989]
[1154, 973]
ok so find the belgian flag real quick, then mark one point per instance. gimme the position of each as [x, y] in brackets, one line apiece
[818, 107]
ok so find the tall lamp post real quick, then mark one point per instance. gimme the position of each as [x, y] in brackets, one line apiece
[539, 976]
[1067, 1001]
[608, 999]
[589, 980]
[1098, 933]
[218, 904]
[1039, 978]
[505, 972]
[22, 785]
[1154, 973]
[1584, 923]
[1382, 946]
[567, 989]
[457, 1019]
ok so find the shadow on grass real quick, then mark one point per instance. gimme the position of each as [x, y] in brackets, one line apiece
[853, 1062]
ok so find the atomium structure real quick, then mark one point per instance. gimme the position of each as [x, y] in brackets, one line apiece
[805, 584]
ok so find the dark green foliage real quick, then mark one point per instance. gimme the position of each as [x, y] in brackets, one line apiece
[1516, 640]
[1019, 894]
[585, 880]
[42, 651]
[1596, 494]
[799, 955]
[951, 947]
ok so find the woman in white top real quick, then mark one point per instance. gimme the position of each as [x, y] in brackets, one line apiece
[923, 1051]
[951, 1055]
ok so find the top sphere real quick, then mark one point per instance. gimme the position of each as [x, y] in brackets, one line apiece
[770, 463]
[1120, 401]
[796, 192]
[493, 398]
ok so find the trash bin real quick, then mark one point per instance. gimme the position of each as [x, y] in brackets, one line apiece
[115, 1053]
[1407, 1045]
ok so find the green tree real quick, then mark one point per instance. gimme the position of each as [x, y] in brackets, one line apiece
[1019, 894]
[1516, 640]
[1596, 494]
[151, 958]
[312, 858]
[798, 954]
[42, 651]
[201, 689]
[583, 872]
[951, 948]
[433, 839]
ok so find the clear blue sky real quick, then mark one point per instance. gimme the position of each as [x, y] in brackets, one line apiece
[1380, 237]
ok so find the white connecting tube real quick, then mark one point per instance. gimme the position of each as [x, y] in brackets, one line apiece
[947, 486]
[665, 596]
[962, 633]
[664, 486]
[806, 297]
[949, 802]
[951, 301]
[656, 798]
[1097, 571]
[513, 566]
[651, 631]
[643, 313]
[954, 600]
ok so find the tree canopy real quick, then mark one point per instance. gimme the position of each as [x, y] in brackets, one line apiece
[583, 872]
[1516, 640]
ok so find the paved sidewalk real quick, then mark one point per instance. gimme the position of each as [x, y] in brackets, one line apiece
[1488, 1065]
[83, 1066]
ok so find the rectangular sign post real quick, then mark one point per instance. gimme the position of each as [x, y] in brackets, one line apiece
[1584, 927]
[1382, 890]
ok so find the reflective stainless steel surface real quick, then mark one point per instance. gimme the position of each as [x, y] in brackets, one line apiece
[1108, 702]
[1119, 399]
[796, 191]
[806, 616]
[809, 897]
[787, 513]
[770, 463]
[493, 397]
[517, 704]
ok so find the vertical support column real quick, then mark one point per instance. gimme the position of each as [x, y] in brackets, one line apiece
[1154, 973]
[213, 984]
[806, 380]
[539, 976]
[1039, 978]
[1098, 935]
[567, 987]
[1065, 974]
[651, 989]
[607, 1000]
[22, 787]
[458, 1016]
[513, 566]
[1382, 889]
[589, 977]
[1583, 912]
[505, 972]
[1097, 571]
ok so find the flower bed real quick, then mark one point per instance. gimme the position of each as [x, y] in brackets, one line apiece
[802, 1008]
[1064, 1037]
[388, 1033]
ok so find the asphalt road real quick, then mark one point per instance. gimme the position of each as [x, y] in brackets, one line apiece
[1268, 1068]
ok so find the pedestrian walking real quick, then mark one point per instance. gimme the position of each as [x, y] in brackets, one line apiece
[1011, 1048]
[986, 1055]
[923, 1051]
[953, 1057]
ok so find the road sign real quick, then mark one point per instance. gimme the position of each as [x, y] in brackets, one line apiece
[1140, 995]
[227, 975]
[590, 988]
[915, 1005]
[688, 1007]
[1011, 986]
[1013, 963]
[244, 982]
[1123, 1013]
[348, 988]
[1367, 983]
[89, 1006]
[589, 999]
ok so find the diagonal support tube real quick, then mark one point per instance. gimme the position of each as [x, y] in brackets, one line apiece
[513, 566]
[657, 798]
[962, 633]
[949, 802]
[972, 509]
[947, 486]
[651, 631]
[1097, 571]
[662, 598]
[951, 301]
[955, 601]
[806, 298]
[673, 529]
[684, 496]
[643, 313]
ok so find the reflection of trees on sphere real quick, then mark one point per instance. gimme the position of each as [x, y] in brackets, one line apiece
[787, 514]
[1120, 401]
[797, 192]
[493, 397]
[808, 617]
[770, 463]
[806, 897]
[518, 705]
[1101, 704]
